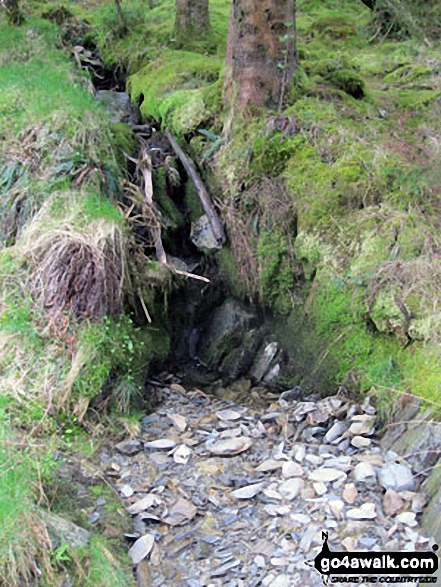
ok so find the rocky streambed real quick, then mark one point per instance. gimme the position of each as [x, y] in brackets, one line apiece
[227, 494]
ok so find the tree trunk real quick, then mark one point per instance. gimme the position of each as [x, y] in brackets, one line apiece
[261, 52]
[192, 21]
[13, 12]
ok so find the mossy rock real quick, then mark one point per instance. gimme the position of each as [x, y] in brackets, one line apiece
[175, 89]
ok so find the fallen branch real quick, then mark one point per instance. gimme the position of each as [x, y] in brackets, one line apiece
[210, 211]
[144, 167]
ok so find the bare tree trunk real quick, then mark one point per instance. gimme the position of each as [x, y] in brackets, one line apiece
[13, 12]
[192, 21]
[261, 52]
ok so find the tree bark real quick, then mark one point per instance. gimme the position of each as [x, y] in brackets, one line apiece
[261, 54]
[192, 21]
[13, 12]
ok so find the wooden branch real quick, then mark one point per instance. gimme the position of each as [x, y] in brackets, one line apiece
[144, 166]
[210, 211]
[187, 274]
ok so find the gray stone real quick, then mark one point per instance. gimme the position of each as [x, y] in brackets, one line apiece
[129, 447]
[228, 330]
[431, 520]
[63, 531]
[421, 443]
[336, 431]
[263, 361]
[202, 235]
[399, 424]
[365, 473]
[397, 477]
[118, 106]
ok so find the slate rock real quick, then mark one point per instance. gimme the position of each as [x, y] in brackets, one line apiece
[397, 477]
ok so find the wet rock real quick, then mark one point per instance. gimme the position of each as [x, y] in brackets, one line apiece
[118, 106]
[263, 361]
[63, 531]
[229, 330]
[397, 477]
[202, 235]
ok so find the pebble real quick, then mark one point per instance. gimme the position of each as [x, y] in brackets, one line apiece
[233, 496]
[365, 473]
[397, 477]
[326, 474]
[364, 512]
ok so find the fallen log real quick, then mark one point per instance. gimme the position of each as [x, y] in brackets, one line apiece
[210, 211]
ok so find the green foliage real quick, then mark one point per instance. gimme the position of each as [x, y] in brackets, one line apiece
[104, 569]
[276, 271]
[179, 90]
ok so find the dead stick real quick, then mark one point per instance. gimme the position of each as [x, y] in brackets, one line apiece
[144, 307]
[212, 215]
[187, 274]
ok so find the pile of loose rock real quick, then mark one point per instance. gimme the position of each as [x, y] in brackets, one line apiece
[228, 495]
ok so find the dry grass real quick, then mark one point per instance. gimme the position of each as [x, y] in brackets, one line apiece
[264, 205]
[79, 272]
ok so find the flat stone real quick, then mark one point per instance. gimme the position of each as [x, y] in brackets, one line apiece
[363, 424]
[364, 512]
[336, 431]
[349, 493]
[407, 518]
[392, 502]
[326, 474]
[129, 447]
[365, 473]
[291, 469]
[360, 442]
[397, 477]
[320, 488]
[290, 489]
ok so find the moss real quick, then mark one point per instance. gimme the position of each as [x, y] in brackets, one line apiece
[422, 372]
[229, 274]
[173, 89]
[276, 270]
[193, 202]
[173, 218]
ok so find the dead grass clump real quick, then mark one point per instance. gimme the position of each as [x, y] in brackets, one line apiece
[80, 273]
[26, 557]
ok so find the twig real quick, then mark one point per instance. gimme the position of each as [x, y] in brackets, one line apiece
[144, 307]
[212, 215]
[187, 274]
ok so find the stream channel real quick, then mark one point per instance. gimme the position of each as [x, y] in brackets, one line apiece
[234, 481]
